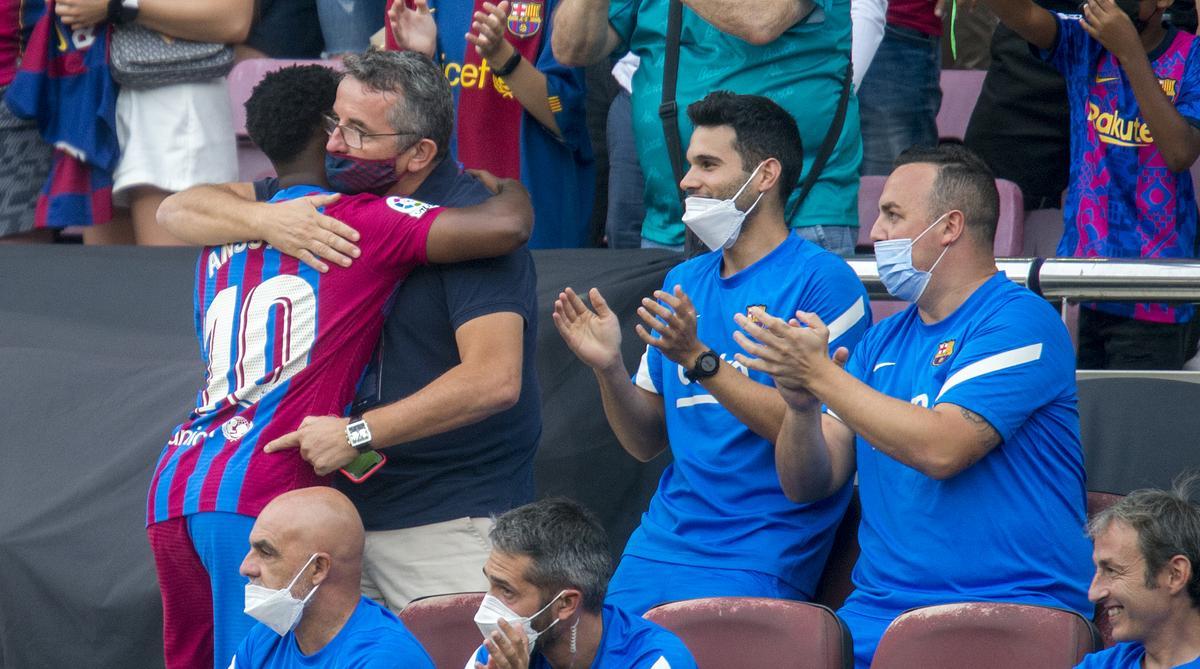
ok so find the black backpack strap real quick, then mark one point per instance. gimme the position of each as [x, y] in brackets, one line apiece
[668, 111]
[827, 146]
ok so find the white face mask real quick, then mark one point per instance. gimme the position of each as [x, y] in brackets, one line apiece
[492, 611]
[277, 609]
[893, 258]
[717, 222]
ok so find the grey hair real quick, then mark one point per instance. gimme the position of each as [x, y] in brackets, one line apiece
[424, 104]
[1167, 524]
[566, 544]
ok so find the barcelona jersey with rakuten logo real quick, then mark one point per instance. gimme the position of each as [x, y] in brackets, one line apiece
[280, 341]
[1123, 201]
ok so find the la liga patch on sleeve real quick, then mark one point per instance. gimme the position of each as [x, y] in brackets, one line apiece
[409, 206]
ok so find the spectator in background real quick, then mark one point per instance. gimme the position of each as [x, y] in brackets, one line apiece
[901, 92]
[284, 29]
[457, 393]
[22, 149]
[958, 414]
[347, 25]
[304, 565]
[626, 184]
[173, 136]
[719, 524]
[520, 114]
[796, 51]
[545, 607]
[1146, 583]
[1133, 86]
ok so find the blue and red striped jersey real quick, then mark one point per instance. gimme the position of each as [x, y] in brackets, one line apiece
[280, 341]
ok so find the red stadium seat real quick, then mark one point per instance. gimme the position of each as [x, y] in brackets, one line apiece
[960, 91]
[445, 626]
[741, 632]
[986, 635]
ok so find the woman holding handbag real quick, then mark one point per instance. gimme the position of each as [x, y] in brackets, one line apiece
[174, 123]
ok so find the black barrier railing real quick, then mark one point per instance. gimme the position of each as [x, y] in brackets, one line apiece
[1078, 279]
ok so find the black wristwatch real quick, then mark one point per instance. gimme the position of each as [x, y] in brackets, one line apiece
[706, 365]
[358, 435]
[122, 11]
[509, 65]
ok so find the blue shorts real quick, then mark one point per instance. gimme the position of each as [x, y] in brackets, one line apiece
[640, 584]
[866, 631]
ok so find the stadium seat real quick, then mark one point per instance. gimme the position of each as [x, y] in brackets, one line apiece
[1043, 229]
[740, 632]
[445, 626]
[247, 73]
[986, 635]
[960, 91]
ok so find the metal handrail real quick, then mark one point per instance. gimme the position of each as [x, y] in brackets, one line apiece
[1080, 279]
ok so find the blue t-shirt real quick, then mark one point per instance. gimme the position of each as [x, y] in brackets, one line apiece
[476, 470]
[1126, 655]
[372, 638]
[627, 642]
[802, 70]
[719, 503]
[1009, 528]
[1123, 200]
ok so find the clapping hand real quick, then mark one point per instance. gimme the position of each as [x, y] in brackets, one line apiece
[487, 33]
[414, 28]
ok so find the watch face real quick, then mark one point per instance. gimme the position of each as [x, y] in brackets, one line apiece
[709, 363]
[358, 433]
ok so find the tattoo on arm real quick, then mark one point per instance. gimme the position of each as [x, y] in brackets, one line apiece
[988, 435]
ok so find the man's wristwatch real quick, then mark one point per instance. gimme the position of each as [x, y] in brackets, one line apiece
[122, 11]
[706, 365]
[358, 435]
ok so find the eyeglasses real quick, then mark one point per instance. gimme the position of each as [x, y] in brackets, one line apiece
[353, 136]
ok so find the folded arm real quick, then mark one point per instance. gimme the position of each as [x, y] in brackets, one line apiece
[582, 34]
[755, 21]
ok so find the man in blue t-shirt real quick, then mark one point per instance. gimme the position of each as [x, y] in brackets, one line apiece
[1146, 582]
[304, 567]
[1133, 87]
[958, 414]
[545, 608]
[719, 524]
[797, 52]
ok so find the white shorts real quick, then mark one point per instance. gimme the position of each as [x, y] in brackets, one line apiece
[174, 137]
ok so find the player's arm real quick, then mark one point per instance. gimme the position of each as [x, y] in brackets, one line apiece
[938, 442]
[755, 21]
[582, 34]
[814, 454]
[226, 213]
[1034, 24]
[495, 227]
[1174, 136]
[485, 382]
[594, 336]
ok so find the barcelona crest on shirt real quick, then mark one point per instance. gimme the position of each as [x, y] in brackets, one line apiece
[525, 17]
[754, 312]
[944, 351]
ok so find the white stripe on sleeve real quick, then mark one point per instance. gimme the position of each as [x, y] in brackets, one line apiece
[842, 324]
[642, 378]
[661, 663]
[992, 363]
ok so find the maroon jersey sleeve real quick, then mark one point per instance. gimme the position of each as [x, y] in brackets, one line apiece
[394, 229]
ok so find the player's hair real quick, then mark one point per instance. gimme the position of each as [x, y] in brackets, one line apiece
[1167, 524]
[424, 104]
[964, 183]
[762, 129]
[283, 113]
[566, 544]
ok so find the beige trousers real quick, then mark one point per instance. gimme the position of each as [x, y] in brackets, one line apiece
[441, 558]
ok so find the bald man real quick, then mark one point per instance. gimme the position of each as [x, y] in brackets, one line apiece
[305, 566]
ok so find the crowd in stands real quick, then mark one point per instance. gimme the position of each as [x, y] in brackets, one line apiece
[367, 312]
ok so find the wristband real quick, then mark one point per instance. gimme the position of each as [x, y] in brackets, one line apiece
[509, 65]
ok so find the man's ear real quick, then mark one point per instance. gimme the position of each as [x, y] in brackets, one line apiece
[769, 174]
[1178, 572]
[321, 566]
[571, 603]
[956, 226]
[424, 153]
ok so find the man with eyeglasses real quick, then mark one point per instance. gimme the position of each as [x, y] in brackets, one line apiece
[455, 406]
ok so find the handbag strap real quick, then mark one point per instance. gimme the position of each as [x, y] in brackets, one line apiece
[827, 145]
